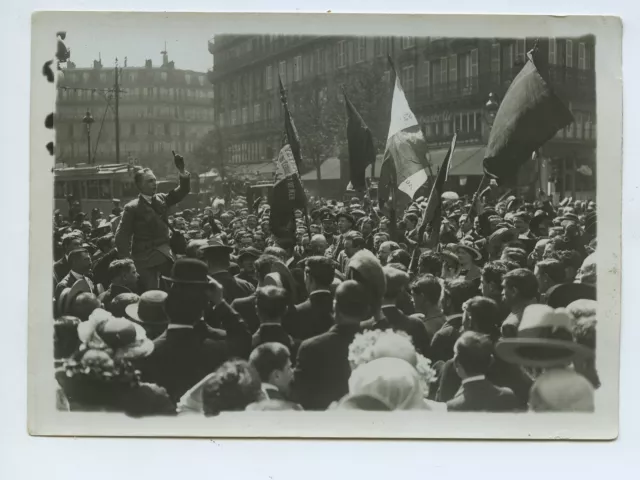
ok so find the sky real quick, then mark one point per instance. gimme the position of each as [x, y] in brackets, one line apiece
[122, 36]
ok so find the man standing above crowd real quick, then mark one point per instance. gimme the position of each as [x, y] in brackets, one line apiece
[143, 233]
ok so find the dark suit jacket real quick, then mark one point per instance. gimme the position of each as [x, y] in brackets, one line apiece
[314, 316]
[483, 396]
[272, 332]
[234, 287]
[67, 282]
[60, 269]
[445, 338]
[184, 356]
[322, 368]
[501, 374]
[142, 234]
[101, 267]
[113, 292]
[396, 320]
[248, 278]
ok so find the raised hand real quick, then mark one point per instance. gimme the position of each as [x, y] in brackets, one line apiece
[179, 161]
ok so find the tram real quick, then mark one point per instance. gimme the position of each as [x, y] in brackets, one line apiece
[95, 186]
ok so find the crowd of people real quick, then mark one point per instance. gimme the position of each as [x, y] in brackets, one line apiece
[165, 312]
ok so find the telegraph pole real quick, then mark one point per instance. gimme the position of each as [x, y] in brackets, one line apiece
[117, 119]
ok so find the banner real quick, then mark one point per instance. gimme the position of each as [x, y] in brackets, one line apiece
[362, 152]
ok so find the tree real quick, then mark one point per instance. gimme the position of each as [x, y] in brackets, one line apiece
[318, 121]
[210, 152]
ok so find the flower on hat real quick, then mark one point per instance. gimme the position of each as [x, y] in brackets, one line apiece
[364, 349]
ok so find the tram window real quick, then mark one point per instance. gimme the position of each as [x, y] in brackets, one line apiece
[59, 189]
[129, 190]
[105, 189]
[93, 189]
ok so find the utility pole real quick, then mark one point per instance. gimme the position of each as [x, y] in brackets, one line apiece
[117, 119]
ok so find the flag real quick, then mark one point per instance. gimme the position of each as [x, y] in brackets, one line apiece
[362, 153]
[404, 162]
[287, 194]
[289, 127]
[530, 115]
[433, 212]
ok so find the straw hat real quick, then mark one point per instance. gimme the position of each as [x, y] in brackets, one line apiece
[544, 340]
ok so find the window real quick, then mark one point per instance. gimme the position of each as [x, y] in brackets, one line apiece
[93, 189]
[104, 189]
[342, 54]
[520, 50]
[436, 71]
[282, 71]
[187, 78]
[408, 42]
[552, 51]
[103, 77]
[319, 61]
[221, 120]
[507, 59]
[245, 115]
[569, 53]
[453, 68]
[474, 63]
[588, 132]
[408, 78]
[426, 73]
[361, 49]
[443, 70]
[297, 68]
[167, 129]
[377, 47]
[132, 130]
[58, 189]
[233, 117]
[163, 76]
[268, 77]
[581, 56]
[269, 110]
[201, 80]
[132, 77]
[85, 77]
[387, 76]
[495, 57]
[579, 124]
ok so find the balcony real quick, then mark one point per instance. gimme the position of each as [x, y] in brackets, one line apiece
[253, 128]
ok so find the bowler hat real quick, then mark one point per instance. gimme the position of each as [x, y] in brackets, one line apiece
[544, 340]
[346, 215]
[149, 309]
[69, 294]
[189, 271]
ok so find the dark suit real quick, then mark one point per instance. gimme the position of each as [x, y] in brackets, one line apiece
[109, 295]
[501, 374]
[246, 307]
[272, 332]
[61, 269]
[68, 281]
[445, 338]
[144, 236]
[396, 320]
[233, 287]
[322, 368]
[182, 357]
[314, 316]
[101, 267]
[483, 396]
[247, 277]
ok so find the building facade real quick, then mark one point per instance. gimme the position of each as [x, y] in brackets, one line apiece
[161, 108]
[448, 82]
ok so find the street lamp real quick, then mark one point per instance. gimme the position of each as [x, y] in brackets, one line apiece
[491, 108]
[88, 120]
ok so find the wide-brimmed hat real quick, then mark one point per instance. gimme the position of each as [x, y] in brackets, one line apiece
[69, 294]
[189, 271]
[468, 247]
[249, 252]
[562, 295]
[544, 340]
[214, 243]
[450, 196]
[125, 338]
[150, 309]
[503, 234]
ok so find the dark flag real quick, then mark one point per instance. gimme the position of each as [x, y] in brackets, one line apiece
[362, 153]
[530, 115]
[404, 160]
[287, 195]
[289, 126]
[433, 212]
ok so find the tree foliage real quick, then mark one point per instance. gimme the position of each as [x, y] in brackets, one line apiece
[209, 153]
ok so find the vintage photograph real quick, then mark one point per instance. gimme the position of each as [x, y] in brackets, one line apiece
[249, 221]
